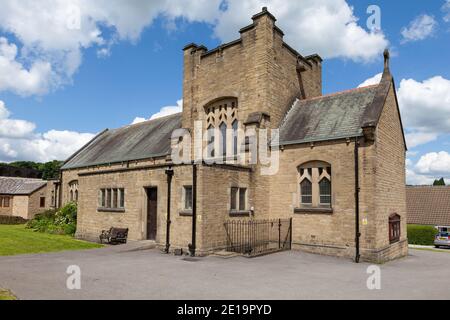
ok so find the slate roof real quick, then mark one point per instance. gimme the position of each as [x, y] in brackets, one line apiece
[335, 116]
[20, 186]
[428, 205]
[144, 140]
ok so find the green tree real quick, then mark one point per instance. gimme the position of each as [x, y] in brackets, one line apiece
[50, 170]
[440, 182]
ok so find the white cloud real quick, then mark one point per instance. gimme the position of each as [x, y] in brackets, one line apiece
[435, 163]
[326, 27]
[16, 78]
[420, 28]
[415, 139]
[374, 80]
[19, 141]
[165, 111]
[425, 108]
[446, 10]
[57, 31]
[430, 167]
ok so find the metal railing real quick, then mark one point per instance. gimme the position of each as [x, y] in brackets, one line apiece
[257, 237]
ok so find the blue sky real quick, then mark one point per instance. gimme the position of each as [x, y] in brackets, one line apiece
[142, 70]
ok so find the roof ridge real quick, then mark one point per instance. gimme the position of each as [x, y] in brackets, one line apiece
[148, 120]
[339, 93]
[22, 178]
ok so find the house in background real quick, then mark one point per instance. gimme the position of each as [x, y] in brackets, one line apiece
[24, 197]
[428, 205]
[341, 177]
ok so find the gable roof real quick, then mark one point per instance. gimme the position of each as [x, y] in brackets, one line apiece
[330, 117]
[428, 205]
[144, 140]
[20, 186]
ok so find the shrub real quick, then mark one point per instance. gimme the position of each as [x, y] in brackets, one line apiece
[421, 235]
[63, 221]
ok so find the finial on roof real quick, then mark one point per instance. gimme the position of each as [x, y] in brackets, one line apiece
[264, 9]
[386, 58]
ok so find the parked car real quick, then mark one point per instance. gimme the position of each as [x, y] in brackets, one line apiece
[442, 239]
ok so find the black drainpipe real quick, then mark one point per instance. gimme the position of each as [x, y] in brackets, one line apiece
[60, 191]
[169, 173]
[357, 190]
[192, 246]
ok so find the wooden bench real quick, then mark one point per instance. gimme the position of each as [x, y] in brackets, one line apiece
[114, 236]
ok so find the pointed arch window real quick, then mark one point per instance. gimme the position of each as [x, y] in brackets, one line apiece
[325, 191]
[315, 185]
[73, 191]
[223, 139]
[306, 191]
[235, 137]
[210, 141]
[221, 117]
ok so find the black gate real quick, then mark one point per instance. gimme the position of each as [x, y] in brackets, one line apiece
[257, 237]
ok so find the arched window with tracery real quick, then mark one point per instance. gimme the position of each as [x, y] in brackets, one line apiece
[315, 185]
[73, 191]
[222, 122]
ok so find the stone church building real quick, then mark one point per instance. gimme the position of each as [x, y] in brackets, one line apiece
[341, 175]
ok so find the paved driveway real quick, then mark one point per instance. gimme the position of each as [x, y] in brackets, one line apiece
[108, 274]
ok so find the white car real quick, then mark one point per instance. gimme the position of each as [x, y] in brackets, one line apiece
[442, 239]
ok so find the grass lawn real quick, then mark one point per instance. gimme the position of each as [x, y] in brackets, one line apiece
[6, 295]
[16, 240]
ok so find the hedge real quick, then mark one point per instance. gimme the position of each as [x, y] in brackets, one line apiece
[421, 235]
[10, 220]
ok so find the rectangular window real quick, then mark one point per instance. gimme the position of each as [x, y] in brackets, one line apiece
[122, 198]
[1, 202]
[242, 199]
[42, 202]
[115, 193]
[6, 201]
[234, 199]
[188, 198]
[238, 199]
[111, 198]
[108, 198]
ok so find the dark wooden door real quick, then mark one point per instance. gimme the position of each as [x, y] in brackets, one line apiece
[152, 207]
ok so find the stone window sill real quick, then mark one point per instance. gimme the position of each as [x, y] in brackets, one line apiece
[315, 210]
[239, 213]
[186, 213]
[111, 210]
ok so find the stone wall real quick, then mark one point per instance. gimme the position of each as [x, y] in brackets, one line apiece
[258, 69]
[390, 192]
[20, 206]
[319, 232]
[34, 202]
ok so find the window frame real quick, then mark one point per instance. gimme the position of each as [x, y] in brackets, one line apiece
[111, 199]
[239, 203]
[394, 228]
[302, 195]
[42, 202]
[314, 172]
[186, 198]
